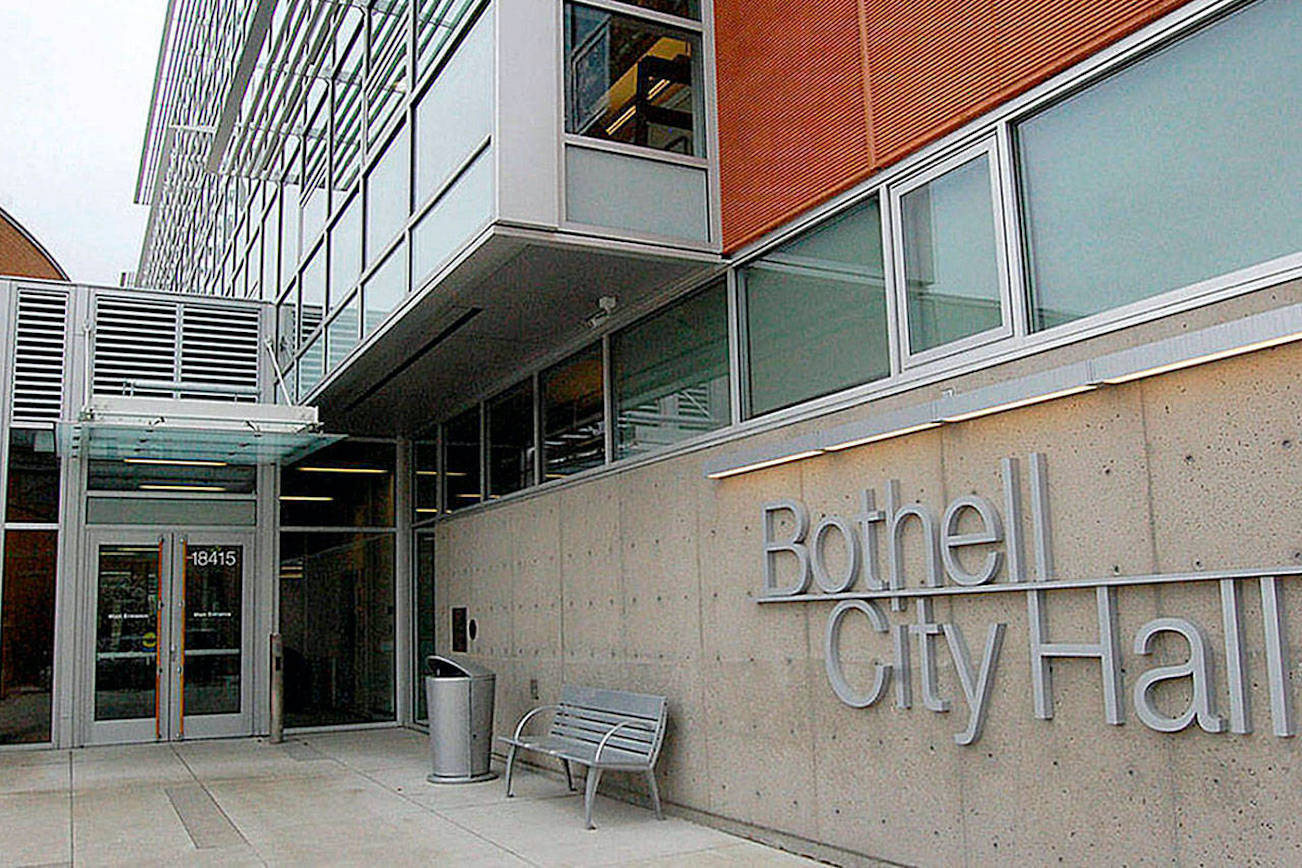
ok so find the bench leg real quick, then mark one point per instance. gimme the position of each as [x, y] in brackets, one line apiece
[569, 776]
[594, 777]
[510, 763]
[655, 793]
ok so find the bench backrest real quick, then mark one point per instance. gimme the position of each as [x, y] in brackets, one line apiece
[587, 713]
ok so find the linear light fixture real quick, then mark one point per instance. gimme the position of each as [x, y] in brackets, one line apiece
[1201, 360]
[180, 487]
[304, 498]
[176, 462]
[760, 465]
[1021, 402]
[451, 474]
[885, 435]
[374, 471]
[427, 510]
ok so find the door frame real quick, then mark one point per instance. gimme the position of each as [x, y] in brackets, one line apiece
[168, 724]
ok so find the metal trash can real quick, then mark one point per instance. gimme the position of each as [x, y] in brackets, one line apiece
[459, 695]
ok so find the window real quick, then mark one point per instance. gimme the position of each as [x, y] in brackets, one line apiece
[33, 476]
[425, 488]
[953, 285]
[1181, 167]
[337, 619]
[310, 366]
[387, 196]
[154, 474]
[461, 438]
[385, 289]
[670, 374]
[312, 293]
[27, 635]
[347, 484]
[816, 313]
[455, 115]
[573, 411]
[631, 81]
[510, 440]
[345, 252]
[342, 334]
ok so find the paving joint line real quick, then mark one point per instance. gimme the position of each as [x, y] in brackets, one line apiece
[203, 786]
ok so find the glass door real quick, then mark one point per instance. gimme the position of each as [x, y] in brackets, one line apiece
[171, 636]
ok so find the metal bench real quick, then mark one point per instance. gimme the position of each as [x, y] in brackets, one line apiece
[601, 729]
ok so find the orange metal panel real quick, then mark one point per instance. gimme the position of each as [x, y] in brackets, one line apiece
[791, 107]
[814, 96]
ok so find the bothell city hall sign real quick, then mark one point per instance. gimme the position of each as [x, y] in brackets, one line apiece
[857, 583]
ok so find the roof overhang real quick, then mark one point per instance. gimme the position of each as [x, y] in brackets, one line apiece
[196, 430]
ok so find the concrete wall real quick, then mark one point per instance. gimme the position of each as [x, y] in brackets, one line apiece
[647, 579]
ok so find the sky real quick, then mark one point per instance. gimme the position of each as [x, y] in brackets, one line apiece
[73, 104]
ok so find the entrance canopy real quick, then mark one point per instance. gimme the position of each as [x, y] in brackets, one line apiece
[196, 430]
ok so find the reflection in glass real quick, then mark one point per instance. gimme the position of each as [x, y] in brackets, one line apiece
[150, 474]
[670, 374]
[630, 81]
[345, 252]
[126, 631]
[573, 410]
[424, 604]
[510, 440]
[951, 267]
[336, 617]
[342, 334]
[346, 484]
[312, 294]
[27, 636]
[385, 289]
[214, 585]
[425, 489]
[310, 366]
[816, 312]
[33, 476]
[463, 89]
[287, 330]
[1175, 170]
[387, 191]
[461, 461]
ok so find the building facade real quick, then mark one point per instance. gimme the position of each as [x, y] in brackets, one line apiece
[904, 390]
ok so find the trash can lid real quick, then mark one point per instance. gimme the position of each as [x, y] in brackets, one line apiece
[439, 666]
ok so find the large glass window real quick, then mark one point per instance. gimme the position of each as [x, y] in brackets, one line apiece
[387, 191]
[347, 484]
[342, 334]
[337, 620]
[345, 252]
[33, 476]
[462, 90]
[816, 312]
[385, 289]
[27, 635]
[425, 487]
[461, 439]
[952, 282]
[1179, 168]
[574, 424]
[670, 374]
[628, 80]
[167, 474]
[510, 440]
[424, 604]
[312, 293]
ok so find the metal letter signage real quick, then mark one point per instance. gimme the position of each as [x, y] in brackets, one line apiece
[796, 558]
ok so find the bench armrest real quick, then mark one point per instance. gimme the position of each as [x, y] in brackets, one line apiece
[611, 732]
[528, 714]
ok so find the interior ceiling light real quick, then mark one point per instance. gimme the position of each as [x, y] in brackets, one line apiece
[176, 462]
[369, 470]
[180, 487]
[305, 498]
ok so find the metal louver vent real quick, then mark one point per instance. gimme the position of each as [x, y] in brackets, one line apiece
[135, 341]
[39, 346]
[219, 350]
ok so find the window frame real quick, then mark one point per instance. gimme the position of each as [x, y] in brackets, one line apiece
[985, 148]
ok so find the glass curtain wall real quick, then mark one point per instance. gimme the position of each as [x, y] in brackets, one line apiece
[27, 588]
[337, 585]
[573, 414]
